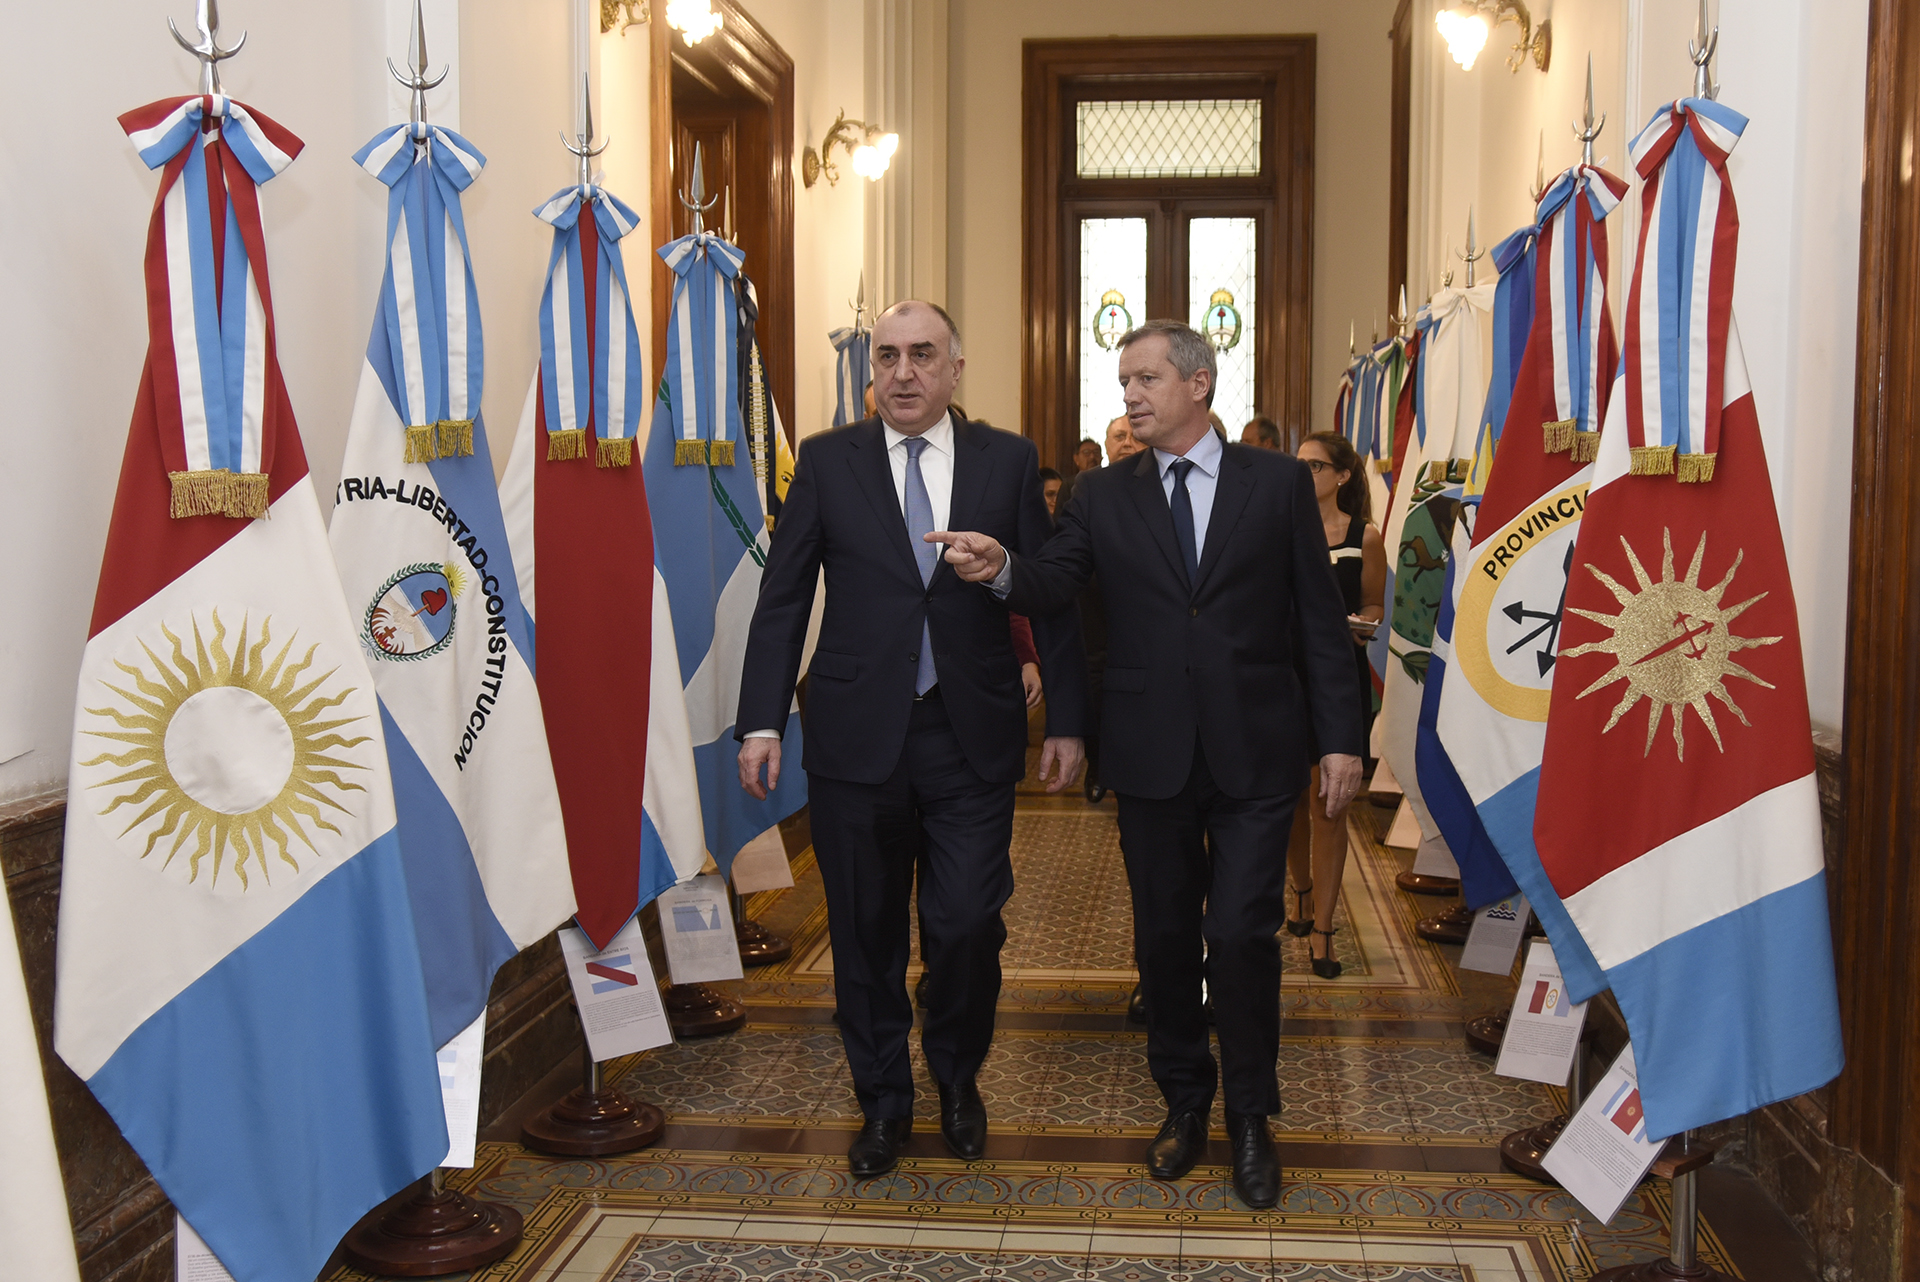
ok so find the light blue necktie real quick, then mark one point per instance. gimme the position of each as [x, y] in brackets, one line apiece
[919, 525]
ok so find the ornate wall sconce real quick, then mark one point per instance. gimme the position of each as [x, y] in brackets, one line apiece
[870, 156]
[1466, 26]
[637, 14]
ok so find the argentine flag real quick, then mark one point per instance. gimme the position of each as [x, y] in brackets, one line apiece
[710, 534]
[430, 581]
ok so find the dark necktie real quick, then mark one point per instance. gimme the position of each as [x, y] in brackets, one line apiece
[1183, 517]
[919, 524]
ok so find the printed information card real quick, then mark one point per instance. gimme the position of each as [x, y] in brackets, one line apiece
[619, 1001]
[193, 1260]
[1543, 1028]
[1605, 1150]
[460, 1089]
[696, 924]
[1495, 938]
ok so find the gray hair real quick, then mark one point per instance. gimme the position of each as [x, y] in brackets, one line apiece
[953, 330]
[1189, 352]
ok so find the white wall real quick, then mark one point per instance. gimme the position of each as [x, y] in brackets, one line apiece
[1353, 80]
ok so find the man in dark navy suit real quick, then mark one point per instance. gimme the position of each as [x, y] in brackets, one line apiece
[916, 721]
[1229, 668]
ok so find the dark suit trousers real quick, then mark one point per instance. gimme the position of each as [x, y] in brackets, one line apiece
[866, 838]
[1204, 865]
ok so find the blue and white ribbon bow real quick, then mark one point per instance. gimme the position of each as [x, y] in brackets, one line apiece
[590, 366]
[1573, 290]
[210, 312]
[429, 309]
[702, 348]
[852, 371]
[1680, 304]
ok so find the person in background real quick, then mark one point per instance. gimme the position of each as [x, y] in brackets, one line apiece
[1086, 455]
[1261, 432]
[1317, 857]
[1050, 483]
[1120, 443]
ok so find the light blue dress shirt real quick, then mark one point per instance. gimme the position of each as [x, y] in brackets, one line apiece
[1202, 481]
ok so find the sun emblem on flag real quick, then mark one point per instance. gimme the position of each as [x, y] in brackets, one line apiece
[1672, 644]
[231, 749]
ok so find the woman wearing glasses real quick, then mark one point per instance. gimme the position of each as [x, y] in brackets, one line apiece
[1318, 858]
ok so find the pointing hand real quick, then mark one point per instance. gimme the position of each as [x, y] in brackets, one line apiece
[977, 558]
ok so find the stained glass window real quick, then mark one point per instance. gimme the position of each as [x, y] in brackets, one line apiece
[1222, 254]
[1113, 298]
[1216, 138]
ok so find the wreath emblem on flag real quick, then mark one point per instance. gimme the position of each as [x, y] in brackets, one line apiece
[412, 615]
[231, 749]
[1223, 324]
[1111, 320]
[1671, 643]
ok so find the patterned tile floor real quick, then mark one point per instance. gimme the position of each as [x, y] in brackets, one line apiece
[1388, 1139]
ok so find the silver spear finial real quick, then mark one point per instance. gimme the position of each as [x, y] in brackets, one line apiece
[583, 145]
[1701, 49]
[1470, 257]
[206, 20]
[1586, 131]
[700, 202]
[416, 78]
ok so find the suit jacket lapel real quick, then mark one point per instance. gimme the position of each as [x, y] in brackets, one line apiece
[874, 474]
[971, 469]
[1230, 494]
[1151, 499]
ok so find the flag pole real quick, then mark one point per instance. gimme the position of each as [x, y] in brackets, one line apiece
[1680, 1165]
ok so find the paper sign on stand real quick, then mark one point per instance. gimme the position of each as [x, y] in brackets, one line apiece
[1495, 937]
[193, 1260]
[1605, 1150]
[1431, 858]
[619, 1001]
[762, 864]
[1404, 831]
[460, 1089]
[696, 924]
[1543, 1028]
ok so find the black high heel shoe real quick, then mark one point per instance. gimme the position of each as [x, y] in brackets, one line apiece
[1325, 967]
[1301, 928]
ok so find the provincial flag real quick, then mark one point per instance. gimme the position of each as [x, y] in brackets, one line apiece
[423, 555]
[852, 371]
[1625, 1112]
[1508, 592]
[239, 978]
[574, 502]
[711, 534]
[613, 973]
[1678, 816]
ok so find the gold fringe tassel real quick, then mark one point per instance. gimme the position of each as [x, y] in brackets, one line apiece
[1652, 460]
[1696, 467]
[217, 492]
[420, 444]
[616, 453]
[1586, 446]
[566, 443]
[689, 452]
[1558, 435]
[1383, 465]
[456, 437]
[720, 453]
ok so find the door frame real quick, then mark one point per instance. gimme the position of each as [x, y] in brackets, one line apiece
[1279, 69]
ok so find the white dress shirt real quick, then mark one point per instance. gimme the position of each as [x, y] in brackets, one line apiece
[936, 467]
[1202, 480]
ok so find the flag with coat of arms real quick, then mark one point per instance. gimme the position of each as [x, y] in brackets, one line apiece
[1678, 817]
[707, 488]
[1508, 598]
[574, 500]
[239, 978]
[424, 558]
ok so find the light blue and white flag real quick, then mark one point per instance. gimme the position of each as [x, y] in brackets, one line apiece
[423, 555]
[852, 371]
[710, 534]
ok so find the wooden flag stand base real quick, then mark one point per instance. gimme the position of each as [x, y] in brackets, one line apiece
[593, 1120]
[1419, 883]
[1521, 1152]
[701, 1010]
[758, 945]
[1680, 1165]
[1450, 927]
[1485, 1032]
[437, 1231]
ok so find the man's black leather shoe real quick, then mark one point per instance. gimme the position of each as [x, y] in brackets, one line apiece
[1256, 1167]
[876, 1149]
[1137, 1006]
[963, 1119]
[1182, 1141]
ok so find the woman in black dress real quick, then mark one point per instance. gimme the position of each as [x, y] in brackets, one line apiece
[1360, 564]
